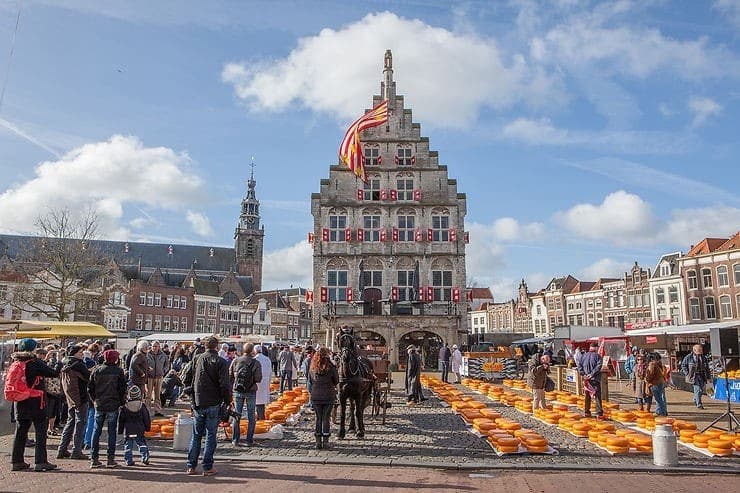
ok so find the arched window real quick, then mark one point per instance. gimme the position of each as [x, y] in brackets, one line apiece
[723, 280]
[691, 279]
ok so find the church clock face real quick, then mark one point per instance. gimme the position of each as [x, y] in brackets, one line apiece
[250, 220]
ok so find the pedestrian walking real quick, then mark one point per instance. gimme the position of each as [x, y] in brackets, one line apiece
[211, 389]
[642, 395]
[324, 379]
[75, 377]
[456, 362]
[53, 392]
[107, 390]
[138, 370]
[696, 368]
[274, 352]
[246, 372]
[133, 422]
[263, 386]
[413, 377]
[158, 366]
[589, 366]
[655, 379]
[305, 368]
[29, 411]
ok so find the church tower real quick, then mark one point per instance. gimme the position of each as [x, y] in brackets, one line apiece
[249, 237]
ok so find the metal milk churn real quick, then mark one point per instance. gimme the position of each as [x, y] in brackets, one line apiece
[183, 432]
[665, 450]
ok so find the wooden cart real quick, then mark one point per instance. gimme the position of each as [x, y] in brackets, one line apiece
[378, 356]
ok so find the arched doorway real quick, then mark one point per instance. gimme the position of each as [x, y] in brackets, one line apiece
[366, 338]
[428, 344]
[372, 306]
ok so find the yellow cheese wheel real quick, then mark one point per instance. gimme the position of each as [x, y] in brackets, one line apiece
[536, 442]
[604, 426]
[581, 426]
[166, 429]
[702, 438]
[536, 449]
[729, 436]
[618, 441]
[713, 433]
[644, 448]
[509, 426]
[720, 451]
[507, 449]
[508, 442]
[719, 443]
[617, 450]
[640, 439]
[688, 433]
[623, 432]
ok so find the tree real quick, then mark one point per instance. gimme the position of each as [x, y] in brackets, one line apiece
[58, 263]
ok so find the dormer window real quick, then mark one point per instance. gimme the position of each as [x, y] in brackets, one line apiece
[665, 270]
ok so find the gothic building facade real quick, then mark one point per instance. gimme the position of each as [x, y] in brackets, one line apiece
[389, 254]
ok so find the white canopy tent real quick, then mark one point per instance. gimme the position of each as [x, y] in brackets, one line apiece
[671, 330]
[191, 336]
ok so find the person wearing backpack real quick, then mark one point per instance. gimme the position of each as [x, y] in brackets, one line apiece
[75, 376]
[28, 403]
[246, 372]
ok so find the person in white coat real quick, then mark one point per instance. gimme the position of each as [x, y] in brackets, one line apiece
[456, 362]
[263, 387]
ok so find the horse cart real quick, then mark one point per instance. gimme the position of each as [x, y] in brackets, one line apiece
[378, 356]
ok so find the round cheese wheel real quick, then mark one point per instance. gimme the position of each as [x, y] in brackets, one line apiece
[617, 450]
[536, 449]
[508, 449]
[713, 433]
[604, 426]
[644, 448]
[641, 439]
[729, 436]
[702, 438]
[618, 441]
[508, 442]
[719, 443]
[536, 442]
[720, 451]
[623, 432]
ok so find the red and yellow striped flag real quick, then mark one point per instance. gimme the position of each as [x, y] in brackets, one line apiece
[350, 150]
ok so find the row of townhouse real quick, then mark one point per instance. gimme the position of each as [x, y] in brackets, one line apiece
[701, 286]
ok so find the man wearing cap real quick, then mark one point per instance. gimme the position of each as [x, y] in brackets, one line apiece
[159, 365]
[29, 412]
[75, 377]
[211, 388]
[590, 369]
[107, 389]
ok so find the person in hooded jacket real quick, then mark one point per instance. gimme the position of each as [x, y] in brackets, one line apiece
[324, 379]
[30, 411]
[75, 377]
[133, 422]
[107, 389]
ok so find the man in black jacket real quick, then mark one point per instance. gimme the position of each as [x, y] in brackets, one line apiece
[75, 377]
[107, 389]
[209, 379]
[29, 411]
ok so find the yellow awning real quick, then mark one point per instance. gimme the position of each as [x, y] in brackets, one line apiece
[51, 329]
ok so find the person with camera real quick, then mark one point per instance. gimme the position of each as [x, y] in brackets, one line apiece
[207, 382]
[246, 372]
[696, 368]
[539, 369]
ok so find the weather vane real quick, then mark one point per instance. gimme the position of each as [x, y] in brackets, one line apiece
[252, 165]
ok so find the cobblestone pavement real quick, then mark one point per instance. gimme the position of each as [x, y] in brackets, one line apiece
[431, 434]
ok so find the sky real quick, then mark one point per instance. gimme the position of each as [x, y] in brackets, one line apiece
[586, 135]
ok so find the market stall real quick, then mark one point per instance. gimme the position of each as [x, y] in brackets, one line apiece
[63, 332]
[484, 364]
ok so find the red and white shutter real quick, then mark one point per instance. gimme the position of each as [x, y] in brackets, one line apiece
[384, 194]
[350, 295]
[384, 234]
[453, 235]
[469, 295]
[360, 194]
[430, 234]
[324, 294]
[360, 234]
[422, 293]
[466, 235]
[393, 194]
[325, 234]
[310, 237]
[456, 295]
[394, 234]
[348, 234]
[430, 293]
[394, 293]
[417, 194]
[309, 296]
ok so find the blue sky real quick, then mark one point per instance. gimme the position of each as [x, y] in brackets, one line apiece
[586, 135]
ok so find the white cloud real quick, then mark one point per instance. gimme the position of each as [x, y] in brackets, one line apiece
[542, 132]
[289, 265]
[689, 226]
[622, 218]
[730, 10]
[104, 177]
[336, 70]
[626, 219]
[509, 229]
[703, 108]
[605, 267]
[200, 223]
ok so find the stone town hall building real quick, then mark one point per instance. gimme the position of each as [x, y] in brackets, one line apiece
[389, 254]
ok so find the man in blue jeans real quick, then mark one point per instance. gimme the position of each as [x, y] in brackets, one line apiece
[696, 368]
[207, 382]
[107, 389]
[287, 361]
[246, 373]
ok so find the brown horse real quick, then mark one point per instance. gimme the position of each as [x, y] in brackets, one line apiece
[356, 383]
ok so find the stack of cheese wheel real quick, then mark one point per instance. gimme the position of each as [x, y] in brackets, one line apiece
[567, 423]
[477, 405]
[470, 414]
[167, 431]
[569, 399]
[617, 445]
[721, 447]
[681, 424]
[640, 441]
[459, 405]
[580, 429]
[508, 445]
[490, 413]
[687, 436]
[279, 417]
[153, 431]
[701, 440]
[508, 425]
[291, 409]
[551, 417]
[523, 406]
[594, 434]
[624, 416]
[484, 425]
[534, 442]
[262, 426]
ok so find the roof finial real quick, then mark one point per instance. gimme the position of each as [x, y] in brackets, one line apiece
[252, 165]
[388, 85]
